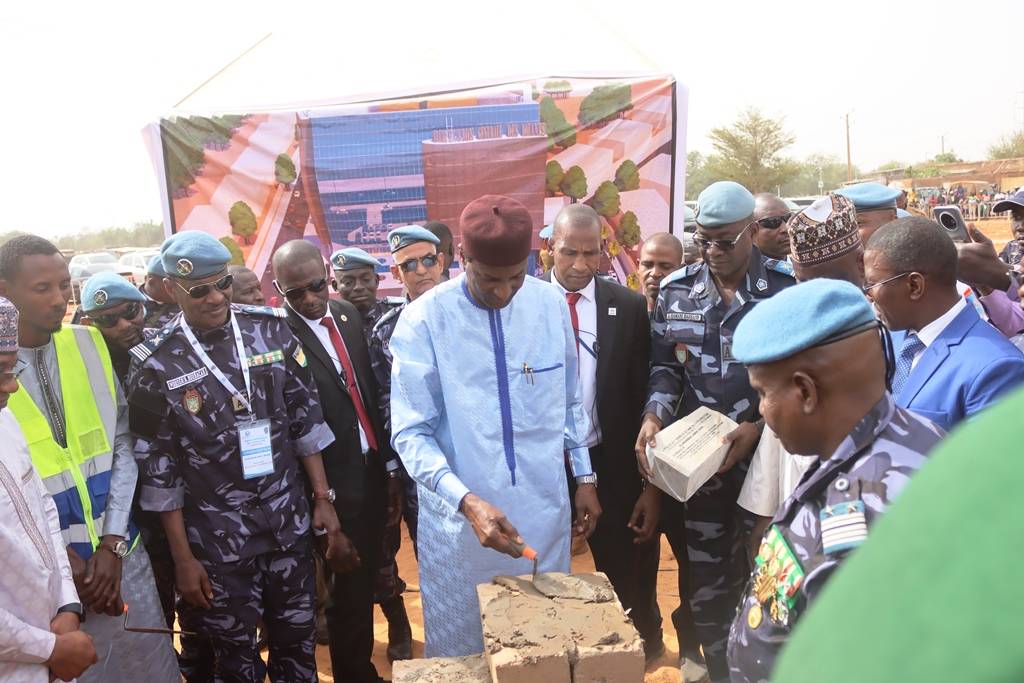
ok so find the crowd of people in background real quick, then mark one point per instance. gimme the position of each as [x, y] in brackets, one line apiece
[975, 202]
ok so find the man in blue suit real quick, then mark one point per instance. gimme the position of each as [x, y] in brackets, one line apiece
[950, 363]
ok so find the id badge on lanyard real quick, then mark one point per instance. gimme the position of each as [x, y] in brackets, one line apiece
[254, 443]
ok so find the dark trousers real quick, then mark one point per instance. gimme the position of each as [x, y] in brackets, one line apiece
[387, 584]
[631, 568]
[277, 587]
[350, 612]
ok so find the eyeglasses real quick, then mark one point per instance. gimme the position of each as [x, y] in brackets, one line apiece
[774, 222]
[130, 312]
[203, 291]
[724, 245]
[868, 288]
[296, 293]
[410, 266]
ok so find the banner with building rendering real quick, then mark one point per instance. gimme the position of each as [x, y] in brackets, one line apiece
[345, 174]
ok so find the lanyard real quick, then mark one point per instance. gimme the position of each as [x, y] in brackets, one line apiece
[216, 372]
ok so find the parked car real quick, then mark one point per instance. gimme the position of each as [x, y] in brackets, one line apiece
[136, 262]
[84, 266]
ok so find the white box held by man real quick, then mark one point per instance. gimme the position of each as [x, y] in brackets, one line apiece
[688, 452]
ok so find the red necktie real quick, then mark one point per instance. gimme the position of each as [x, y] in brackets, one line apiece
[573, 298]
[350, 376]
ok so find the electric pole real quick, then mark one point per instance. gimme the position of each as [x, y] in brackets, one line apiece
[849, 162]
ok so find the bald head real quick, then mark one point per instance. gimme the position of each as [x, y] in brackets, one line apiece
[665, 241]
[245, 289]
[660, 254]
[299, 269]
[295, 252]
[771, 234]
[576, 246]
[575, 216]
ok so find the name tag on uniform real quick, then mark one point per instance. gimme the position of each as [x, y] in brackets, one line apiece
[266, 358]
[193, 376]
[254, 445]
[687, 317]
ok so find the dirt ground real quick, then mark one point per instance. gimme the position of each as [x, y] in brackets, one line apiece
[665, 670]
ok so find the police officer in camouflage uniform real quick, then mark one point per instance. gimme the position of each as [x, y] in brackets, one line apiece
[419, 267]
[228, 431]
[357, 281]
[817, 356]
[160, 306]
[692, 365]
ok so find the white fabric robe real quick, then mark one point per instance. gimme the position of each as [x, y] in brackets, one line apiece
[485, 401]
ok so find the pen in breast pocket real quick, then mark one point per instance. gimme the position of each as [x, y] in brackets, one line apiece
[528, 371]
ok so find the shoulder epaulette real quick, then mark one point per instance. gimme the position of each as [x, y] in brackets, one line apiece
[779, 266]
[261, 310]
[684, 272]
[394, 300]
[144, 350]
[388, 315]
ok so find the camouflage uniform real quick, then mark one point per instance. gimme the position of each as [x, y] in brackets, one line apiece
[252, 536]
[692, 366]
[158, 314]
[846, 493]
[373, 316]
[388, 584]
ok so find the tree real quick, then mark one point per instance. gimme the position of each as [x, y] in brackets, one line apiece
[242, 220]
[553, 175]
[1009, 147]
[697, 175]
[604, 103]
[949, 157]
[237, 259]
[284, 169]
[561, 133]
[574, 184]
[627, 176]
[606, 200]
[629, 229]
[749, 152]
[891, 166]
[829, 169]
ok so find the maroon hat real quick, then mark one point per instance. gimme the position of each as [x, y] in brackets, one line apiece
[496, 230]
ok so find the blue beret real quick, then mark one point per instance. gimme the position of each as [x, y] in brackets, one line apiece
[156, 267]
[399, 238]
[903, 213]
[108, 289]
[800, 317]
[723, 202]
[869, 196]
[547, 231]
[352, 258]
[193, 255]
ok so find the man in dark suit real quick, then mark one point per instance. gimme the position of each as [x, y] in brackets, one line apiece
[613, 342]
[356, 464]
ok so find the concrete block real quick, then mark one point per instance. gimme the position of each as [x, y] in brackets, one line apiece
[442, 670]
[558, 628]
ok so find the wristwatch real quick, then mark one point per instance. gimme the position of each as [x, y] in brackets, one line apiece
[327, 495]
[586, 479]
[119, 548]
[395, 474]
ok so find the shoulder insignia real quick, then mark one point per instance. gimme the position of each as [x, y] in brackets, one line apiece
[389, 315]
[156, 338]
[261, 310]
[779, 266]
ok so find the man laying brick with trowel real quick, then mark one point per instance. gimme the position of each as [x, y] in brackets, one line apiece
[484, 406]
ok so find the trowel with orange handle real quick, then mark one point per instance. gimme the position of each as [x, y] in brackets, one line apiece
[530, 554]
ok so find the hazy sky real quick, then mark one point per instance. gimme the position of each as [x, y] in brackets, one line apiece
[80, 82]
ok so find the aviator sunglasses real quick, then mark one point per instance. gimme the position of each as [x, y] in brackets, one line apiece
[202, 291]
[774, 222]
[724, 245]
[428, 261]
[110, 319]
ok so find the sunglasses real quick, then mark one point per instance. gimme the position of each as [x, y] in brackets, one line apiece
[296, 293]
[724, 245]
[410, 266]
[203, 291]
[774, 222]
[868, 288]
[130, 312]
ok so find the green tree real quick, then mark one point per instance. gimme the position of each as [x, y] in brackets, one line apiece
[561, 133]
[829, 169]
[749, 152]
[242, 220]
[949, 157]
[574, 184]
[284, 169]
[237, 259]
[697, 175]
[553, 175]
[891, 166]
[1009, 147]
[627, 176]
[629, 229]
[606, 200]
[604, 103]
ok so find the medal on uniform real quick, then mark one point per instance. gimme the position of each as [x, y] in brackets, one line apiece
[754, 616]
[299, 356]
[777, 579]
[192, 400]
[682, 354]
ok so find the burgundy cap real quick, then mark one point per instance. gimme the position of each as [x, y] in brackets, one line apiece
[496, 230]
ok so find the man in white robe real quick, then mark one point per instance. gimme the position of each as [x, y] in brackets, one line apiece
[485, 409]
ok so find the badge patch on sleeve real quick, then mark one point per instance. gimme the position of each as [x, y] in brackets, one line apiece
[682, 354]
[299, 355]
[843, 526]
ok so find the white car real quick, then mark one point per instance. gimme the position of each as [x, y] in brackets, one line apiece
[136, 263]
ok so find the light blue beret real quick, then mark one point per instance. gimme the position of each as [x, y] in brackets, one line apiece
[869, 196]
[800, 317]
[156, 267]
[903, 213]
[547, 231]
[352, 258]
[193, 255]
[108, 289]
[723, 202]
[399, 238]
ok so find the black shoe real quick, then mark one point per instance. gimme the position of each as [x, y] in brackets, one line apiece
[399, 630]
[653, 651]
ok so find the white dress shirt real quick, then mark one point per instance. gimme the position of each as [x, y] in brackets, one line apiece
[35, 577]
[586, 311]
[324, 336]
[930, 332]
